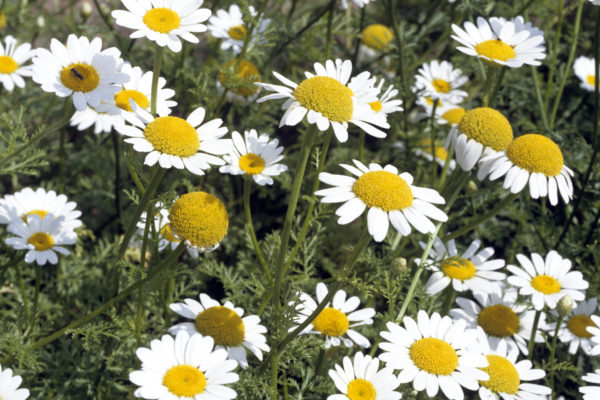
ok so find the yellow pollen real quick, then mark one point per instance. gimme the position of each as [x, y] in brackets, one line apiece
[536, 153]
[172, 135]
[361, 389]
[545, 284]
[184, 381]
[459, 268]
[8, 65]
[454, 115]
[80, 77]
[498, 320]
[252, 164]
[222, 324]
[434, 356]
[41, 241]
[238, 32]
[591, 80]
[578, 325]
[162, 20]
[326, 96]
[488, 127]
[495, 49]
[40, 213]
[384, 190]
[376, 36]
[245, 75]
[167, 233]
[504, 377]
[376, 106]
[200, 218]
[331, 322]
[441, 86]
[122, 99]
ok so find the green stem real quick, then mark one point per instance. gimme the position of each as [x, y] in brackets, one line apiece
[391, 5]
[432, 138]
[138, 319]
[329, 31]
[36, 293]
[552, 353]
[497, 86]
[22, 290]
[449, 297]
[158, 57]
[361, 146]
[538, 96]
[117, 188]
[446, 167]
[525, 7]
[558, 30]
[62, 155]
[250, 31]
[250, 226]
[536, 321]
[489, 79]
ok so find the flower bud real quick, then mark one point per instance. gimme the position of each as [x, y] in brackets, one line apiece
[40, 21]
[565, 305]
[471, 187]
[86, 10]
[399, 264]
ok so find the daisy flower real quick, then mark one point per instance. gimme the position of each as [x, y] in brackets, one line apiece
[547, 281]
[374, 40]
[511, 43]
[12, 58]
[225, 325]
[176, 142]
[231, 28]
[440, 80]
[360, 379]
[102, 121]
[433, 353]
[163, 21]
[481, 132]
[79, 69]
[184, 368]
[337, 318]
[9, 386]
[591, 392]
[239, 78]
[594, 330]
[327, 98]
[575, 328]
[360, 3]
[390, 197]
[386, 104]
[256, 156]
[532, 159]
[472, 270]
[440, 153]
[446, 113]
[586, 71]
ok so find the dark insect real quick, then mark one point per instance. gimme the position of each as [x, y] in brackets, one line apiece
[77, 74]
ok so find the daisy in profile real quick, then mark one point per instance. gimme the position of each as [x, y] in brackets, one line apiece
[532, 159]
[225, 325]
[175, 142]
[374, 41]
[80, 69]
[12, 58]
[163, 22]
[360, 3]
[440, 81]
[239, 78]
[229, 26]
[103, 122]
[386, 103]
[591, 392]
[575, 329]
[337, 318]
[511, 43]
[360, 379]
[390, 197]
[330, 98]
[9, 386]
[255, 156]
[440, 153]
[586, 71]
[183, 368]
[446, 113]
[473, 270]
[547, 281]
[433, 352]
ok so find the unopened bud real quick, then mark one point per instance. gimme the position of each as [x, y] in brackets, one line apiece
[86, 10]
[565, 305]
[399, 264]
[40, 21]
[471, 187]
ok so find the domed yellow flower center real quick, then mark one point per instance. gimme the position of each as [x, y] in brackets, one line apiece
[361, 389]
[245, 74]
[498, 320]
[172, 135]
[441, 86]
[122, 99]
[488, 127]
[237, 32]
[252, 164]
[459, 268]
[495, 49]
[454, 115]
[162, 20]
[376, 36]
[8, 65]
[167, 233]
[434, 356]
[384, 190]
[536, 153]
[331, 322]
[591, 79]
[545, 284]
[504, 377]
[41, 241]
[326, 96]
[200, 218]
[40, 213]
[184, 381]
[578, 325]
[222, 324]
[376, 106]
[80, 77]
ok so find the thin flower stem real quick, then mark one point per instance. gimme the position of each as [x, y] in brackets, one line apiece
[391, 5]
[552, 353]
[111, 28]
[250, 31]
[22, 291]
[497, 86]
[357, 40]
[36, 293]
[250, 227]
[489, 79]
[361, 146]
[558, 30]
[432, 138]
[536, 321]
[538, 95]
[117, 186]
[329, 31]
[158, 57]
[62, 155]
[449, 297]
[525, 7]
[446, 167]
[138, 319]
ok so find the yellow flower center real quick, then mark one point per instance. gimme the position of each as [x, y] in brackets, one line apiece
[245, 75]
[383, 190]
[429, 100]
[331, 322]
[40, 213]
[438, 151]
[536, 153]
[441, 86]
[498, 320]
[8, 65]
[591, 79]
[578, 324]
[162, 20]
[252, 164]
[41, 241]
[545, 284]
[184, 381]
[454, 115]
[459, 268]
[504, 377]
[222, 324]
[200, 218]
[495, 49]
[238, 32]
[488, 127]
[122, 99]
[326, 96]
[167, 233]
[434, 356]
[376, 106]
[376, 36]
[360, 389]
[172, 135]
[80, 77]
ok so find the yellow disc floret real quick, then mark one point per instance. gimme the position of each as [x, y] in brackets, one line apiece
[495, 49]
[39, 213]
[441, 86]
[237, 32]
[8, 65]
[578, 325]
[504, 377]
[376, 36]
[41, 241]
[252, 164]
[361, 389]
[184, 381]
[167, 233]
[222, 324]
[331, 322]
[434, 356]
[459, 268]
[199, 218]
[498, 320]
[122, 99]
[384, 190]
[244, 76]
[591, 80]
[162, 20]
[454, 115]
[327, 96]
[80, 77]
[172, 135]
[545, 284]
[536, 153]
[488, 127]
